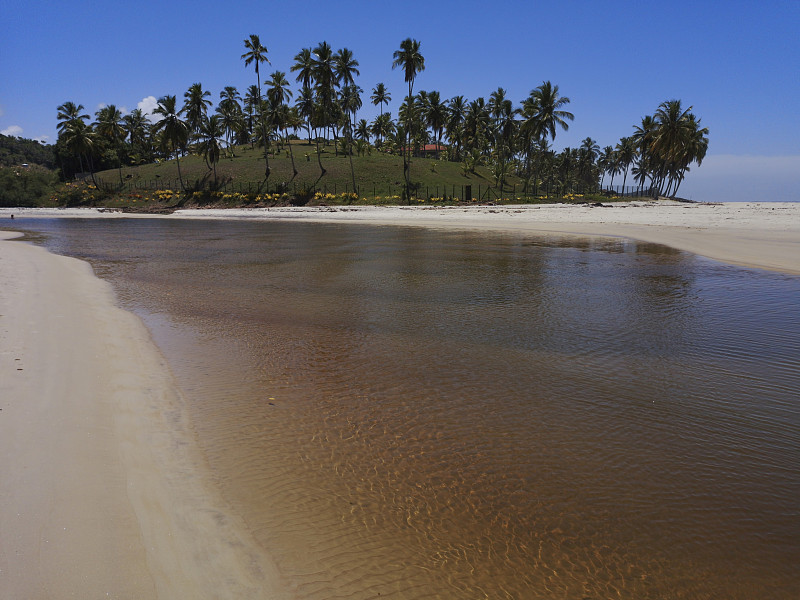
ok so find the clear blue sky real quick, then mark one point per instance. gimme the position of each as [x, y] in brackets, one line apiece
[737, 63]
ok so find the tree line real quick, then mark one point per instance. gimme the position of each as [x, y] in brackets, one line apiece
[506, 138]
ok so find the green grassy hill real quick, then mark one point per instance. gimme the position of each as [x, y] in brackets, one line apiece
[377, 174]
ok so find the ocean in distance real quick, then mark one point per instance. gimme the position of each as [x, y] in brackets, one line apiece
[410, 413]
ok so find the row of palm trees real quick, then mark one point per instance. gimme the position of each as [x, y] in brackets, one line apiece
[508, 139]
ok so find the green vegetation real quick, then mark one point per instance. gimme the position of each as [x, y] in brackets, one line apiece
[27, 177]
[443, 149]
[15, 152]
[26, 186]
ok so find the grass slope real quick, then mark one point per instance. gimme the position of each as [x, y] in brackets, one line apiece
[375, 173]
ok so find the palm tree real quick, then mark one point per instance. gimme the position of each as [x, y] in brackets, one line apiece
[278, 90]
[456, 113]
[436, 117]
[324, 81]
[251, 102]
[231, 116]
[304, 66]
[677, 141]
[345, 67]
[363, 130]
[257, 54]
[109, 126]
[350, 103]
[69, 113]
[626, 153]
[380, 96]
[503, 129]
[279, 94]
[587, 157]
[211, 132]
[173, 129]
[549, 104]
[195, 107]
[79, 139]
[137, 128]
[642, 137]
[604, 162]
[305, 107]
[383, 126]
[410, 59]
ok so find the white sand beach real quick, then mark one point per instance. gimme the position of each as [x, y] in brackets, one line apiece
[102, 493]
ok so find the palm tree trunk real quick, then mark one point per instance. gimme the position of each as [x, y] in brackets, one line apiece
[291, 154]
[322, 170]
[91, 170]
[178, 162]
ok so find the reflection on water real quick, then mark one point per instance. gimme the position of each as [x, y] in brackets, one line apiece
[407, 413]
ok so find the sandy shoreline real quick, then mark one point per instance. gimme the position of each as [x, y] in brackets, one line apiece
[754, 234]
[101, 491]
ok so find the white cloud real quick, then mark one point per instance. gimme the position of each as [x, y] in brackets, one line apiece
[14, 130]
[42, 139]
[101, 106]
[727, 178]
[147, 106]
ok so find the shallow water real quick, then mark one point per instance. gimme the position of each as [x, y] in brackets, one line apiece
[410, 413]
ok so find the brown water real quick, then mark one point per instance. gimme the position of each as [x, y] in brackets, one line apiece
[406, 413]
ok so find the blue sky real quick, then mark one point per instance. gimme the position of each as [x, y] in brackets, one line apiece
[735, 62]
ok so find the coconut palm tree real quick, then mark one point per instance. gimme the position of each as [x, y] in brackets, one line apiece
[456, 113]
[588, 154]
[257, 53]
[380, 96]
[363, 130]
[251, 103]
[642, 138]
[305, 107]
[604, 162]
[69, 113]
[626, 153]
[324, 93]
[79, 140]
[231, 116]
[549, 104]
[279, 94]
[350, 102]
[410, 59]
[677, 141]
[137, 129]
[195, 107]
[173, 129]
[211, 132]
[110, 127]
[304, 67]
[345, 67]
[383, 126]
[435, 113]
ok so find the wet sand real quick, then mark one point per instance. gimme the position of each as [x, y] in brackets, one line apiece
[102, 493]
